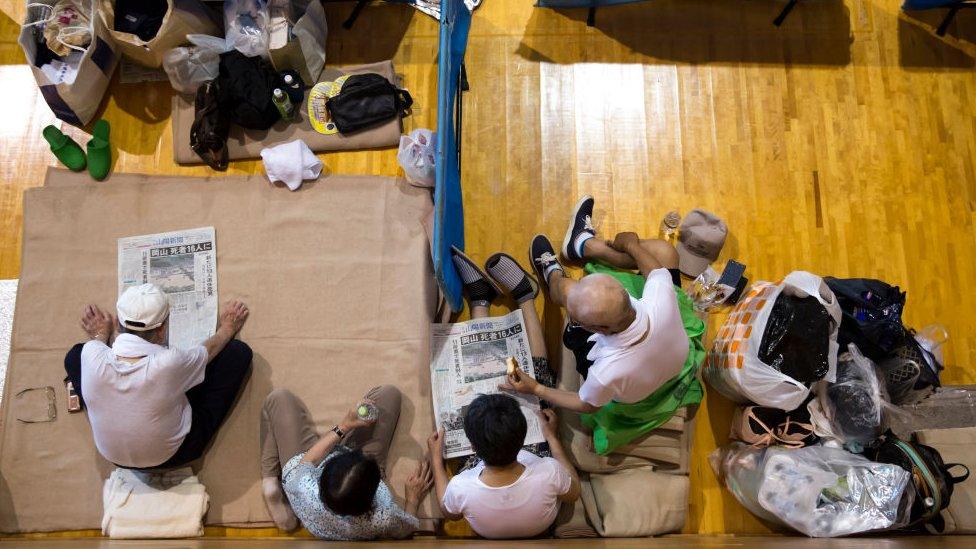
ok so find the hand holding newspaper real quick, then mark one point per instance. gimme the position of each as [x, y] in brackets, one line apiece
[472, 358]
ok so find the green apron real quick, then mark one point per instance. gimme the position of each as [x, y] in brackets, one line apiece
[617, 423]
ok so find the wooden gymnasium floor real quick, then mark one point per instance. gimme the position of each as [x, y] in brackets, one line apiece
[842, 143]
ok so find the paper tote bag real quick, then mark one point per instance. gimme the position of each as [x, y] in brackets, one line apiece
[182, 17]
[305, 53]
[75, 103]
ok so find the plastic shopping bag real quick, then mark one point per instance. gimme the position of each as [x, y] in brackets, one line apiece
[246, 26]
[733, 366]
[190, 66]
[818, 491]
[417, 155]
[855, 403]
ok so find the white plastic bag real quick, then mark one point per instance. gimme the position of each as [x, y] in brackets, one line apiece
[417, 156]
[733, 366]
[247, 26]
[816, 490]
[188, 67]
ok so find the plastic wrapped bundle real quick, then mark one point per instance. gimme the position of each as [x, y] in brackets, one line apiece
[817, 490]
[855, 402]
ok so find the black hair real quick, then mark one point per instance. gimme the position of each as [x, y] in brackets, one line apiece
[496, 428]
[148, 335]
[348, 483]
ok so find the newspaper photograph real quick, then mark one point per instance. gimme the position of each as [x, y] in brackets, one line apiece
[184, 265]
[467, 360]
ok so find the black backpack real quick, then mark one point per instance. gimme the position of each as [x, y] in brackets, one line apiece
[931, 479]
[365, 100]
[871, 320]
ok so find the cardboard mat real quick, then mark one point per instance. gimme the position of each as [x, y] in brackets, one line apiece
[338, 280]
[248, 143]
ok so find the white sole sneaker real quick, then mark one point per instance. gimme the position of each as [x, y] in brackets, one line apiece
[568, 240]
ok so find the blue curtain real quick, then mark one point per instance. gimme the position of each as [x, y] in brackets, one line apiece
[448, 209]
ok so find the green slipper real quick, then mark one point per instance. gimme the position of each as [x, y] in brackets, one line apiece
[99, 152]
[65, 149]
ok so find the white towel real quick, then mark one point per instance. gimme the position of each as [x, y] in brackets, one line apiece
[291, 163]
[153, 505]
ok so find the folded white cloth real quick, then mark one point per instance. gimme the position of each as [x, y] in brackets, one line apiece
[291, 163]
[139, 504]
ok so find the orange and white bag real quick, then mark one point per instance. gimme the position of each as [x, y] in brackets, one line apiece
[733, 366]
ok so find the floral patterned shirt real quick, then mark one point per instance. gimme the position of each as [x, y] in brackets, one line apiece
[385, 520]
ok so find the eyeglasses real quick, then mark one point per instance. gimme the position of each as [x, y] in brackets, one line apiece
[52, 409]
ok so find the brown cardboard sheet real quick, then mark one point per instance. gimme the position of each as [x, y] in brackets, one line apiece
[338, 280]
[248, 143]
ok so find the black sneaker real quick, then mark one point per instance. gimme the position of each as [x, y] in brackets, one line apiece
[477, 285]
[581, 222]
[543, 257]
[512, 277]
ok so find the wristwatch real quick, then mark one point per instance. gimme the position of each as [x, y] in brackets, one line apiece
[338, 431]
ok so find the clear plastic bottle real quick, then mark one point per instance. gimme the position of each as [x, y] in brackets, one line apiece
[285, 107]
[669, 225]
[367, 411]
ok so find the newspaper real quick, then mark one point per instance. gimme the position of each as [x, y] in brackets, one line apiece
[184, 265]
[468, 359]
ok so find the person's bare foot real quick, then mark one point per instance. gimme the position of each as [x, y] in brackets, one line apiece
[274, 497]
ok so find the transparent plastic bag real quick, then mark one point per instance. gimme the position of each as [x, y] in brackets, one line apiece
[247, 26]
[817, 490]
[188, 67]
[740, 467]
[417, 156]
[856, 403]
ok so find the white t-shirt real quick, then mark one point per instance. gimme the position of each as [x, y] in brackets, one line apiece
[630, 365]
[523, 509]
[138, 411]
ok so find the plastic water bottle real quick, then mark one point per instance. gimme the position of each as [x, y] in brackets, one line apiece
[285, 107]
[669, 225]
[367, 411]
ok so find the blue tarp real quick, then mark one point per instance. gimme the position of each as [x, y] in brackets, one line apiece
[448, 209]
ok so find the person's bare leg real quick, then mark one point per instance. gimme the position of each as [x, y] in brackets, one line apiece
[533, 329]
[559, 285]
[663, 252]
[598, 250]
[478, 311]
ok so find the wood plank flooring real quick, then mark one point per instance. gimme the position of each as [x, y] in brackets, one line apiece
[842, 143]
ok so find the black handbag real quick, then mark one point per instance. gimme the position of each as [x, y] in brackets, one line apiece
[208, 134]
[366, 100]
[931, 481]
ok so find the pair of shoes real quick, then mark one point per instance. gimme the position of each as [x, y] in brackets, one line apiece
[502, 272]
[543, 256]
[65, 149]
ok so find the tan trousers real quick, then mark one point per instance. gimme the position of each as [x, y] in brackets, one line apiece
[287, 429]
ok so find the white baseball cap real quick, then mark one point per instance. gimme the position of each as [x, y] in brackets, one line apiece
[141, 308]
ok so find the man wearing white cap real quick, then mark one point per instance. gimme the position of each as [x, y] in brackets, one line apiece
[150, 405]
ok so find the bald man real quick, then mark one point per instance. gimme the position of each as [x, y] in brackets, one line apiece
[634, 346]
